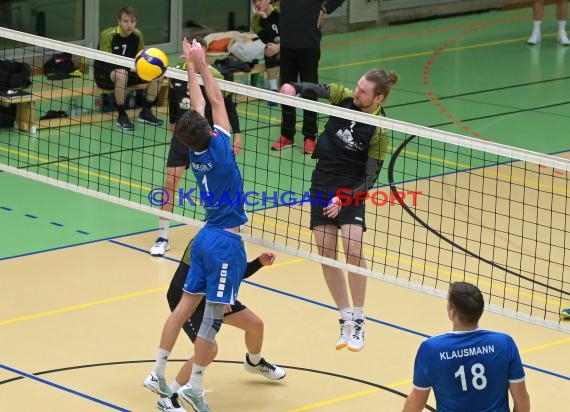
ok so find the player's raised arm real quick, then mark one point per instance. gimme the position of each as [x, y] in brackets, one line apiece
[219, 114]
[196, 97]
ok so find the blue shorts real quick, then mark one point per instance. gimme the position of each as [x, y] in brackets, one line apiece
[217, 265]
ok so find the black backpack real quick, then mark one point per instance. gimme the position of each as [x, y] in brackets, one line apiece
[14, 75]
[59, 66]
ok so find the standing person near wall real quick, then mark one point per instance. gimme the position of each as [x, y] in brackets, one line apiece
[300, 23]
[538, 15]
[265, 23]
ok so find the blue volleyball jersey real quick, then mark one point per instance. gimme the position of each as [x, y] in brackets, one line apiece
[219, 182]
[469, 371]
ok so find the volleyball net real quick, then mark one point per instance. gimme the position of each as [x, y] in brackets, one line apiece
[446, 207]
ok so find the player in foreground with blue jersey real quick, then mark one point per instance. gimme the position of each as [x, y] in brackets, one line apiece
[469, 369]
[218, 259]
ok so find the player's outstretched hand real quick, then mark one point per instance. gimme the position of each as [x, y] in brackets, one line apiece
[193, 52]
[267, 258]
[186, 49]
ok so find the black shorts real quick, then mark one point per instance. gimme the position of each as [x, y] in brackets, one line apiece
[272, 61]
[352, 214]
[192, 325]
[178, 154]
[102, 77]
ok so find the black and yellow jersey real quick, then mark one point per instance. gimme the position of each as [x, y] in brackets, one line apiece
[267, 29]
[111, 41]
[344, 147]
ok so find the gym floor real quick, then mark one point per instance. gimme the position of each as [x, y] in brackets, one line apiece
[83, 303]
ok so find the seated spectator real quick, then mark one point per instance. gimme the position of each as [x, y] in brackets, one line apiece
[125, 40]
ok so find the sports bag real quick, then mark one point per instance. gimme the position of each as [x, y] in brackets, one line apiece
[14, 75]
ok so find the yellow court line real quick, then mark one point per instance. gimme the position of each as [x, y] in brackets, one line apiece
[82, 170]
[491, 43]
[397, 384]
[383, 59]
[82, 306]
[108, 300]
[335, 400]
[424, 53]
[545, 346]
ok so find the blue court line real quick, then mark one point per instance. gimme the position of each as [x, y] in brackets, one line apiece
[29, 215]
[324, 305]
[109, 238]
[63, 388]
[534, 368]
[138, 249]
[390, 325]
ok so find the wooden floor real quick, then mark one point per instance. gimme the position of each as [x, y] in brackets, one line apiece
[82, 303]
[91, 325]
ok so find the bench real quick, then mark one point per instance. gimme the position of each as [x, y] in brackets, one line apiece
[250, 78]
[255, 71]
[258, 68]
[162, 96]
[26, 117]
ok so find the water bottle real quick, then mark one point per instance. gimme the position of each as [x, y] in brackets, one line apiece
[75, 109]
[131, 100]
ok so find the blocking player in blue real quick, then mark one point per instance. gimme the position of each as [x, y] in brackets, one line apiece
[469, 369]
[218, 259]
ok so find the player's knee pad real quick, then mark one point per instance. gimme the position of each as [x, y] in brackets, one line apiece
[212, 321]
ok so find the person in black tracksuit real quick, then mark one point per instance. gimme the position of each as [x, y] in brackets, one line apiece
[300, 22]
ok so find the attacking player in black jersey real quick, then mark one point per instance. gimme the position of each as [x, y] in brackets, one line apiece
[349, 158]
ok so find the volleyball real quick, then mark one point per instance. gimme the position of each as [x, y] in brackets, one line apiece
[151, 63]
